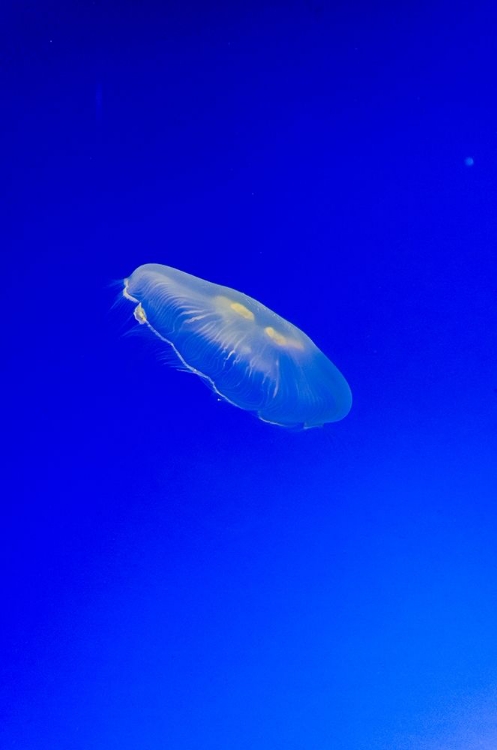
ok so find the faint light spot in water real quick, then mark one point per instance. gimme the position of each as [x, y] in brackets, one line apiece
[469, 161]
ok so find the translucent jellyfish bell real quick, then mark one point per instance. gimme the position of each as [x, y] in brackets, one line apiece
[243, 351]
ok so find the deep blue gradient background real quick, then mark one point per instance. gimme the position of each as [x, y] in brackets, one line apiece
[176, 574]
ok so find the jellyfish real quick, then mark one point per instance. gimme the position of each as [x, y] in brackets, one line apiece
[246, 353]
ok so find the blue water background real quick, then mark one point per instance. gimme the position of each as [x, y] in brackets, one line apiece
[176, 574]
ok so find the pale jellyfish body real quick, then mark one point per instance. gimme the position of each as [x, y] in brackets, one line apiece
[246, 353]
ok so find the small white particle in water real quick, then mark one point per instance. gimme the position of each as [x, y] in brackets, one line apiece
[469, 161]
